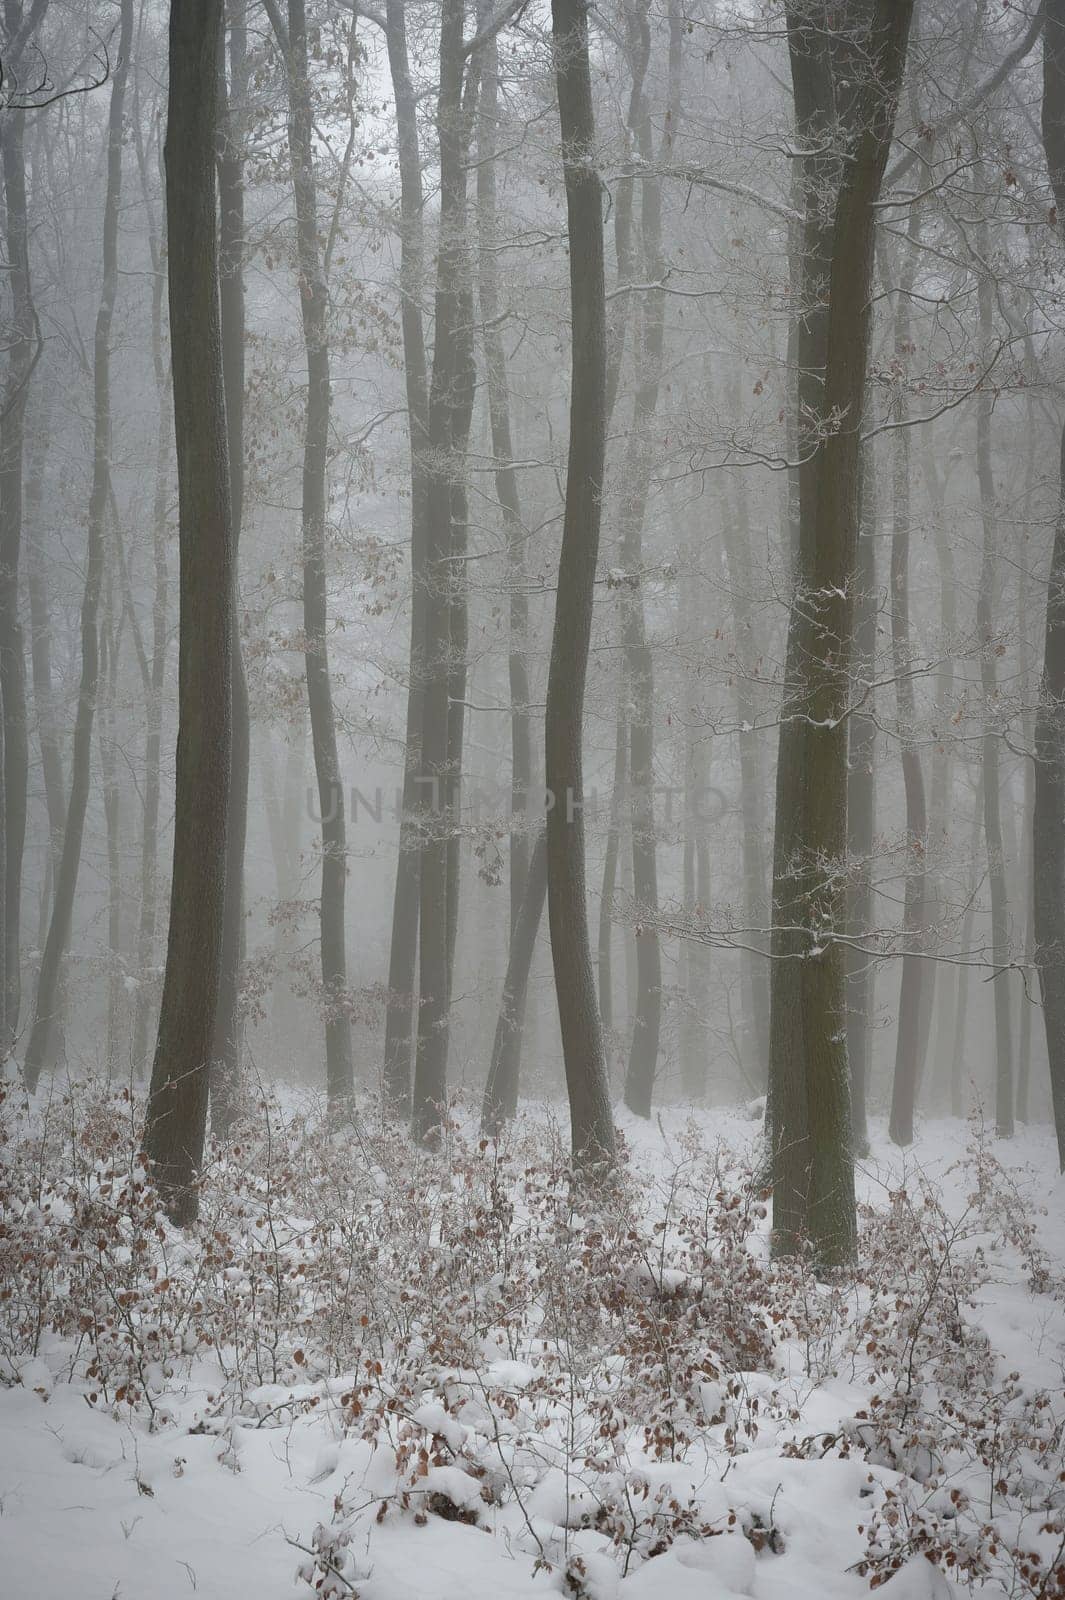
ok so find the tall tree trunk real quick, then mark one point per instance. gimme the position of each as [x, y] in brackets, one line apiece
[813, 1193]
[737, 543]
[1048, 824]
[942, 787]
[506, 480]
[23, 349]
[961, 1013]
[110, 639]
[58, 940]
[861, 811]
[618, 798]
[695, 1043]
[909, 1042]
[591, 1119]
[404, 942]
[226, 1066]
[177, 1107]
[148, 915]
[501, 1090]
[643, 1051]
[450, 408]
[314, 308]
[996, 863]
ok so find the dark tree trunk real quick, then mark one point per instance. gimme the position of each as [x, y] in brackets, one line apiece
[450, 408]
[58, 940]
[404, 942]
[177, 1107]
[813, 1194]
[226, 1065]
[592, 1123]
[861, 811]
[1048, 825]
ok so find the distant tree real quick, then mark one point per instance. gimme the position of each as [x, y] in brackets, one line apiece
[38, 1051]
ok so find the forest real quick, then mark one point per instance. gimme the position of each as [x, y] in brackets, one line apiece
[532, 799]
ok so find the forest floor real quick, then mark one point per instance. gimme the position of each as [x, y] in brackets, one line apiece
[437, 1378]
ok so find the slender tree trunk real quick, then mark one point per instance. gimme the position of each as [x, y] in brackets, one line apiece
[618, 799]
[23, 348]
[996, 863]
[737, 542]
[1048, 817]
[861, 811]
[226, 1066]
[110, 638]
[501, 1090]
[592, 1123]
[149, 875]
[908, 1046]
[58, 940]
[813, 1194]
[506, 479]
[961, 1012]
[177, 1107]
[643, 1051]
[314, 307]
[942, 789]
[404, 942]
[450, 404]
[695, 1044]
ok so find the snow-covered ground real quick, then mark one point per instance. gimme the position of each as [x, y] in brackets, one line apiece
[531, 1469]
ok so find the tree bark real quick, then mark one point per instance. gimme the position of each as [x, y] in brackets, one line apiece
[861, 811]
[226, 1070]
[1048, 825]
[592, 1124]
[22, 352]
[177, 1107]
[996, 863]
[56, 944]
[909, 1061]
[450, 408]
[404, 941]
[813, 1195]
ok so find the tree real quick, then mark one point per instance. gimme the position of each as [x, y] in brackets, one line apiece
[177, 1107]
[225, 1078]
[38, 1050]
[314, 309]
[403, 948]
[450, 410]
[847, 67]
[1048, 826]
[24, 348]
[592, 1123]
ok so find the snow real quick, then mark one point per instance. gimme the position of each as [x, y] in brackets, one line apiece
[219, 1505]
